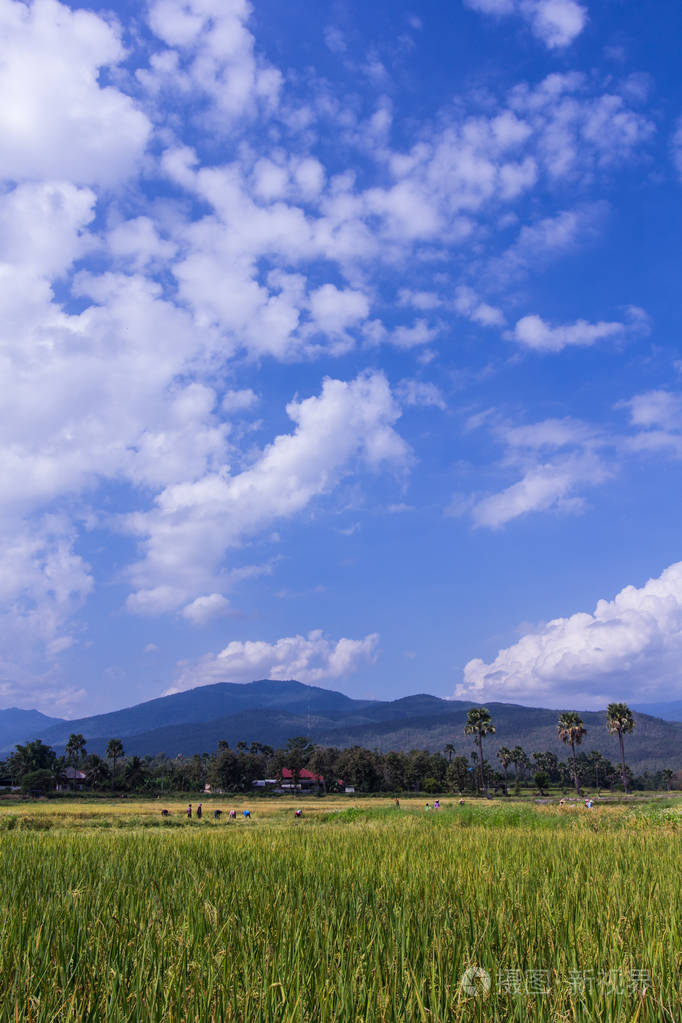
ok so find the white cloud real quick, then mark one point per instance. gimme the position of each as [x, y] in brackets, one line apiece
[535, 333]
[419, 333]
[186, 535]
[239, 401]
[656, 408]
[547, 239]
[420, 392]
[310, 659]
[555, 22]
[212, 54]
[43, 584]
[335, 310]
[629, 648]
[204, 609]
[55, 118]
[549, 433]
[467, 303]
[543, 487]
[658, 418]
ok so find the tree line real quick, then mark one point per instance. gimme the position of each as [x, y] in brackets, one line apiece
[36, 767]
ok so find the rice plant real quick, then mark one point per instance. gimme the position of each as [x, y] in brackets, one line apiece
[477, 913]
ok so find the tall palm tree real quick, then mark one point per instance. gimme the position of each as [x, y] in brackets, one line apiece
[479, 724]
[619, 720]
[114, 753]
[571, 730]
[74, 752]
[519, 758]
[75, 748]
[449, 748]
[504, 756]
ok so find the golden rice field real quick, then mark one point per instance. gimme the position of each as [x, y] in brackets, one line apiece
[487, 912]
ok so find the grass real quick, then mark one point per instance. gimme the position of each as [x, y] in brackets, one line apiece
[355, 913]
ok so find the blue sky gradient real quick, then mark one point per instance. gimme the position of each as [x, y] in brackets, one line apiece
[341, 344]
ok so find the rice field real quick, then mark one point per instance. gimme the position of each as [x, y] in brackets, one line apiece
[486, 912]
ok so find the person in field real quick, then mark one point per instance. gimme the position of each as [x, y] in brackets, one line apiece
[189, 811]
[199, 812]
[233, 815]
[397, 803]
[216, 815]
[247, 813]
[165, 813]
[298, 813]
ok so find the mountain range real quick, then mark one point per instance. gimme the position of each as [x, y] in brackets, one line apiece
[271, 712]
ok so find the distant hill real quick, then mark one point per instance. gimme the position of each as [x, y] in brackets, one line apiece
[670, 711]
[207, 704]
[17, 725]
[271, 712]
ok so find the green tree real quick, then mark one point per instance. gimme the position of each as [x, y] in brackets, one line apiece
[619, 721]
[114, 753]
[42, 780]
[134, 773]
[32, 756]
[96, 771]
[541, 779]
[75, 749]
[571, 730]
[296, 756]
[548, 762]
[479, 724]
[449, 750]
[75, 752]
[504, 757]
[458, 773]
[520, 760]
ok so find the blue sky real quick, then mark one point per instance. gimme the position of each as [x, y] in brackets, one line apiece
[341, 344]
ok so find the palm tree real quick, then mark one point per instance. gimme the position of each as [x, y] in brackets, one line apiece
[96, 771]
[479, 724]
[619, 720]
[519, 758]
[74, 752]
[571, 730]
[114, 753]
[504, 756]
[75, 748]
[449, 748]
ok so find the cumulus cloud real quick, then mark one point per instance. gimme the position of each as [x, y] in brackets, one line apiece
[628, 648]
[555, 22]
[535, 333]
[553, 460]
[204, 609]
[239, 401]
[211, 52]
[467, 303]
[192, 525]
[43, 584]
[51, 52]
[657, 417]
[544, 487]
[123, 318]
[310, 659]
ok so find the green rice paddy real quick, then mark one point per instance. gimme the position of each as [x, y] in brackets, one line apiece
[109, 913]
